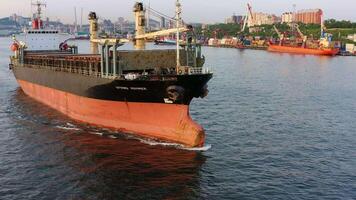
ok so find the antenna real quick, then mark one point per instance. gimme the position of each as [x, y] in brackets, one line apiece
[322, 26]
[178, 19]
[75, 21]
[294, 12]
[148, 16]
[81, 19]
[38, 14]
[31, 9]
[39, 5]
[294, 20]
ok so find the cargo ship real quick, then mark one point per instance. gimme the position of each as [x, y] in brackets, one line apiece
[323, 47]
[141, 92]
[303, 50]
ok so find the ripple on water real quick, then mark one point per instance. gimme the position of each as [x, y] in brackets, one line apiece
[278, 127]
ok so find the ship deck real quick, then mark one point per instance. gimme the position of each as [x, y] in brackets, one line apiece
[151, 63]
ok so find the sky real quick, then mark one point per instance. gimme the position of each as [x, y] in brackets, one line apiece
[203, 11]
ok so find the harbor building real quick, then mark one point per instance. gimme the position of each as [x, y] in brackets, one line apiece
[259, 18]
[287, 17]
[234, 19]
[311, 16]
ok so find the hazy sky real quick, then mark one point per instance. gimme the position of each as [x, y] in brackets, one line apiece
[206, 11]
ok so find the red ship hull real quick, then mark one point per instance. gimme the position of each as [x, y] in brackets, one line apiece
[300, 50]
[169, 122]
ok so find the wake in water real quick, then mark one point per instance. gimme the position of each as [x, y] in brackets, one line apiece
[109, 134]
[168, 144]
[97, 133]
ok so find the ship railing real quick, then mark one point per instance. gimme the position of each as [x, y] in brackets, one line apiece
[88, 67]
[199, 70]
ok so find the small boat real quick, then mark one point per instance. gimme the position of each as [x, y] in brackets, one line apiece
[165, 42]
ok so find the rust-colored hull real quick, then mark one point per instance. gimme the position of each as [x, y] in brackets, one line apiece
[300, 50]
[169, 122]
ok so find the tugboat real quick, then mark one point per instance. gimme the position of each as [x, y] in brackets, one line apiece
[141, 92]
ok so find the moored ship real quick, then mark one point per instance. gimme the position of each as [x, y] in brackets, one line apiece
[301, 45]
[303, 50]
[141, 92]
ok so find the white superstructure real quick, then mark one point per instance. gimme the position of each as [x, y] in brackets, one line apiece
[42, 39]
[38, 38]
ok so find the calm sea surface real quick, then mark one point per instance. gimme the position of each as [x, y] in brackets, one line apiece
[280, 127]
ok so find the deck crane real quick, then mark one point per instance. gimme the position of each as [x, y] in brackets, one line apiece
[304, 37]
[141, 36]
[298, 30]
[280, 35]
[247, 17]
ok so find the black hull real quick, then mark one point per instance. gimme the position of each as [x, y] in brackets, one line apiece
[148, 89]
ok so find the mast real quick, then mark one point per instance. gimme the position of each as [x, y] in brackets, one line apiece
[81, 19]
[37, 19]
[178, 19]
[294, 13]
[322, 25]
[148, 16]
[294, 21]
[75, 21]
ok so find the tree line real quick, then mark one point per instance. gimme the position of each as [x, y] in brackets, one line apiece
[339, 29]
[333, 23]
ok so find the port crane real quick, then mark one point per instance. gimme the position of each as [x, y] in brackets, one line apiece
[247, 17]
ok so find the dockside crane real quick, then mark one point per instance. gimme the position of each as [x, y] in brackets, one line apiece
[247, 17]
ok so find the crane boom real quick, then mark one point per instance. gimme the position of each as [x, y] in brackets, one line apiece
[247, 17]
[250, 10]
[299, 32]
[109, 41]
[245, 22]
[161, 33]
[277, 31]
